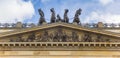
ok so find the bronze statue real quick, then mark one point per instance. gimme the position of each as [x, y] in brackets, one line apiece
[66, 19]
[42, 18]
[76, 17]
[58, 18]
[53, 18]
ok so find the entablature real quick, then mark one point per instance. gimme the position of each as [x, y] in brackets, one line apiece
[28, 46]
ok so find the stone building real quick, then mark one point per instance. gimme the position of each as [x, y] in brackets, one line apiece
[59, 39]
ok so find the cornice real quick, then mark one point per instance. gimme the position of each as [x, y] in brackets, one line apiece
[68, 25]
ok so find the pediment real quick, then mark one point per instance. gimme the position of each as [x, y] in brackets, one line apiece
[59, 32]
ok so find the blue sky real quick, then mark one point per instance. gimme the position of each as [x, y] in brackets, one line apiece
[93, 11]
[86, 5]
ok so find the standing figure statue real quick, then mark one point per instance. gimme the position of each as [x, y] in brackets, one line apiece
[76, 17]
[53, 18]
[66, 19]
[42, 18]
[58, 18]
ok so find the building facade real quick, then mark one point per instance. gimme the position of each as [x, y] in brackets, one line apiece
[59, 39]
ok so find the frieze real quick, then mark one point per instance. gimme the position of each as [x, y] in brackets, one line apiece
[59, 35]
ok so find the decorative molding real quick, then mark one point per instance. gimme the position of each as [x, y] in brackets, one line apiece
[90, 46]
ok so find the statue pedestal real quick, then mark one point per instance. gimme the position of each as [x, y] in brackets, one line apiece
[100, 25]
[18, 25]
[75, 23]
[44, 23]
[59, 21]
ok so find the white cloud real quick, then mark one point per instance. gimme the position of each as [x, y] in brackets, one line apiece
[12, 10]
[106, 11]
[103, 17]
[44, 1]
[105, 2]
[91, 17]
[107, 14]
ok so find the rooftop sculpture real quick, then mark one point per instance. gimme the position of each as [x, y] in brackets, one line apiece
[42, 18]
[56, 18]
[65, 19]
[53, 18]
[76, 17]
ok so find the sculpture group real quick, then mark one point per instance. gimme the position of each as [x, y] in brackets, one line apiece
[59, 35]
[58, 18]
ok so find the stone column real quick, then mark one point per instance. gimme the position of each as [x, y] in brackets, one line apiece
[100, 25]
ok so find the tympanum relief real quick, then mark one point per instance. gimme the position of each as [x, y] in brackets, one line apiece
[60, 35]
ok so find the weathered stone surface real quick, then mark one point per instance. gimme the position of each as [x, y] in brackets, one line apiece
[60, 54]
[95, 42]
[55, 35]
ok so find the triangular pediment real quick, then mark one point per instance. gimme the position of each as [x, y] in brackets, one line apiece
[68, 29]
[67, 25]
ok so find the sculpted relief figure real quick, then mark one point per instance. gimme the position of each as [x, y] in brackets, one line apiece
[98, 39]
[51, 36]
[55, 37]
[42, 18]
[53, 18]
[19, 39]
[38, 38]
[64, 37]
[75, 37]
[76, 17]
[31, 37]
[45, 36]
[87, 38]
[66, 19]
[59, 35]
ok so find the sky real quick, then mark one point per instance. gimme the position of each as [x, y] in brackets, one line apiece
[93, 11]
